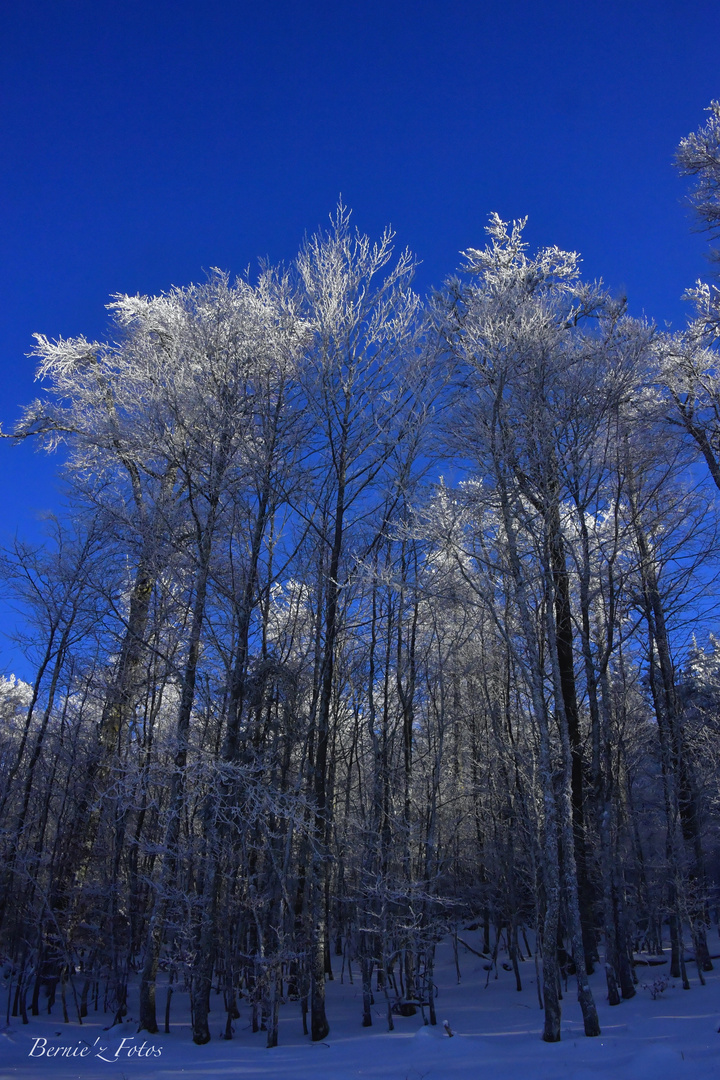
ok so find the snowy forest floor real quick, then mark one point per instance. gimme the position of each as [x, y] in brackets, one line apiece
[497, 1033]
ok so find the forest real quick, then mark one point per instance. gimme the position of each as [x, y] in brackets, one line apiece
[370, 617]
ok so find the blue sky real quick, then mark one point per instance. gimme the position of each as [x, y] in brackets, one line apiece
[145, 141]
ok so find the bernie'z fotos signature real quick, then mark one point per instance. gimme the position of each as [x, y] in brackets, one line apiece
[126, 1049]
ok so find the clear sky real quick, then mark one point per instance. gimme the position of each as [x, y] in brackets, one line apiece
[142, 142]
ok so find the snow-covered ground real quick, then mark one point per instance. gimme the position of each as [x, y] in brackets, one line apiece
[497, 1034]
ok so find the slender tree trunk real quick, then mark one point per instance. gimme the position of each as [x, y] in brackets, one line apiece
[318, 1018]
[551, 858]
[566, 672]
[567, 824]
[156, 928]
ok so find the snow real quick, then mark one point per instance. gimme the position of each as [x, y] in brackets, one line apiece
[496, 1033]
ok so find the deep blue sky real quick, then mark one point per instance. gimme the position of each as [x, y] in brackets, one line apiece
[141, 142]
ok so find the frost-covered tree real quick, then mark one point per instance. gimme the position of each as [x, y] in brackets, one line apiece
[698, 156]
[513, 328]
[361, 384]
